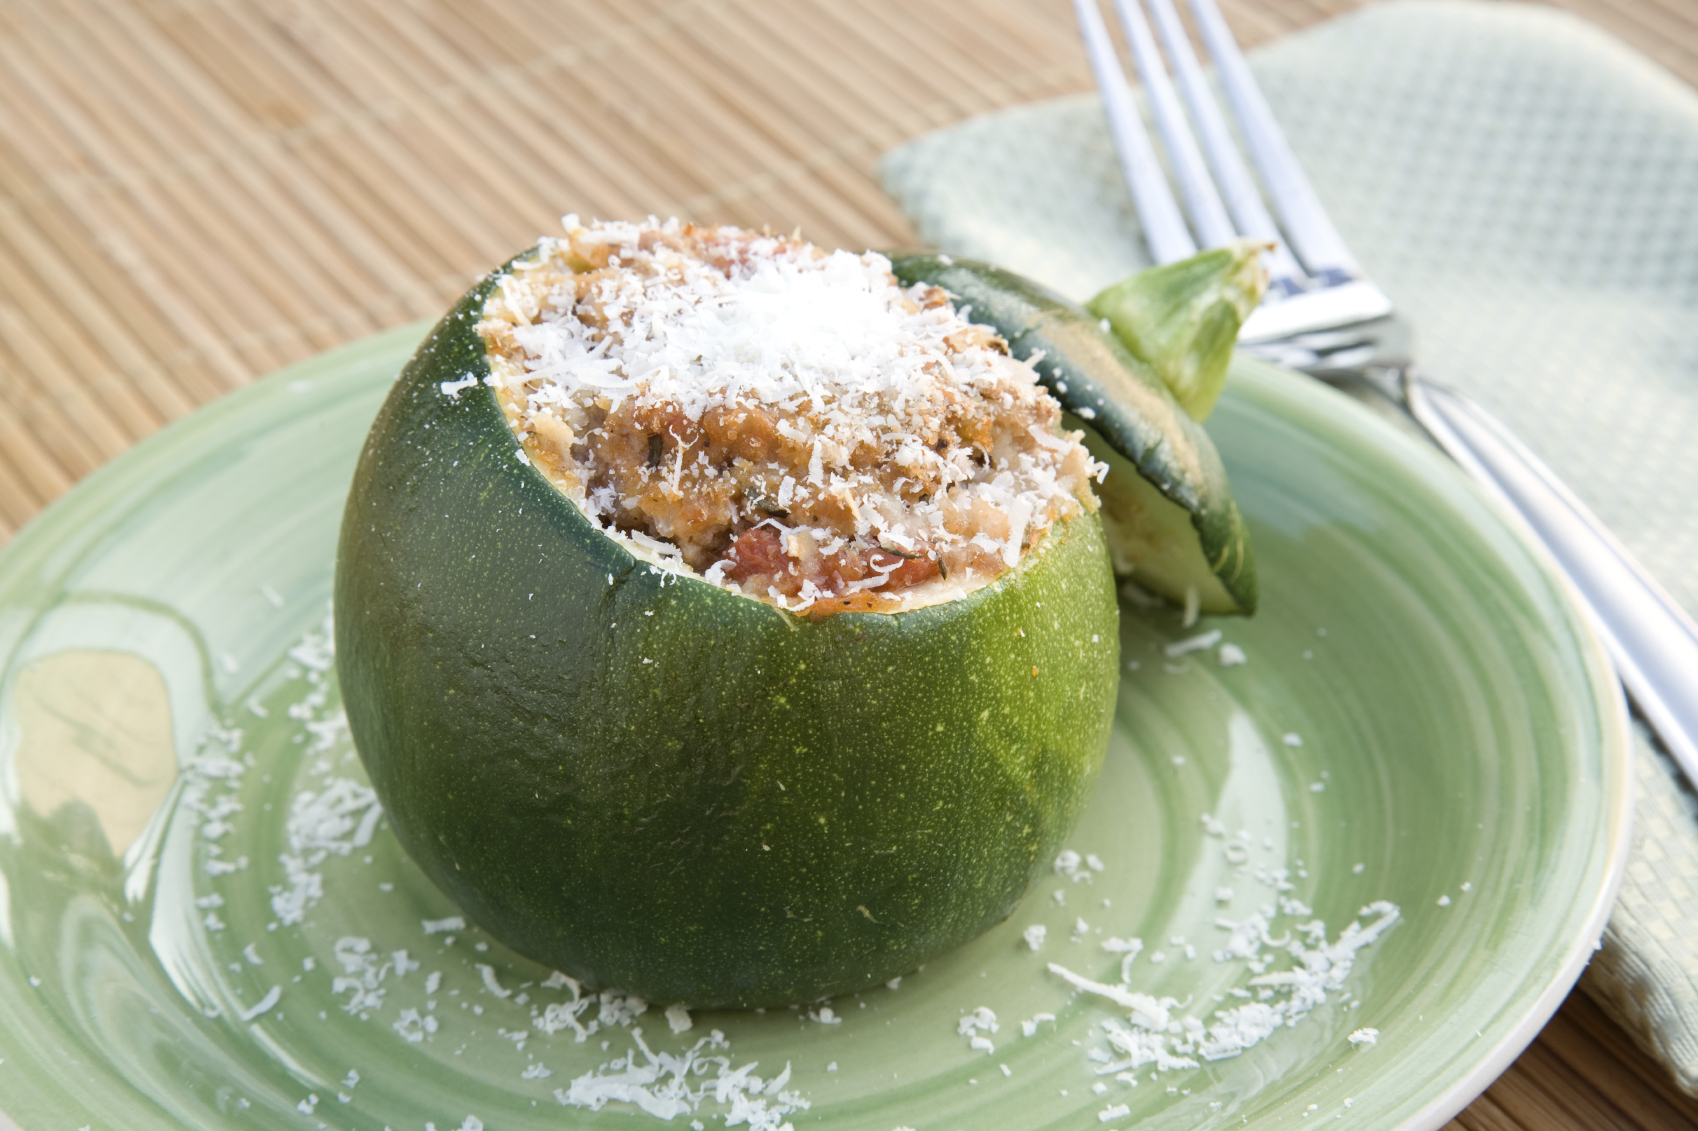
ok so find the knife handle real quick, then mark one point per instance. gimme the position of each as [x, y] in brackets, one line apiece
[1651, 639]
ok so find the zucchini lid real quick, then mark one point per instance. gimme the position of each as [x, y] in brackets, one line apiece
[1198, 552]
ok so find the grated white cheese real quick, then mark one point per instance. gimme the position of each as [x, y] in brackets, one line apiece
[413, 1027]
[659, 1084]
[1199, 643]
[565, 1015]
[1075, 867]
[1284, 997]
[338, 819]
[618, 1008]
[362, 975]
[687, 385]
[1029, 1027]
[1129, 948]
[487, 973]
[974, 1025]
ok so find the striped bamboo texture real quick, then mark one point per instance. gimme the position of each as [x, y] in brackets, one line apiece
[196, 192]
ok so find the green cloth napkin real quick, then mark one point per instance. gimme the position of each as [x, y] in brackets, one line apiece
[1526, 190]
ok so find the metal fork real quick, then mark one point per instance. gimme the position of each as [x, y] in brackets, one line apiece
[1324, 316]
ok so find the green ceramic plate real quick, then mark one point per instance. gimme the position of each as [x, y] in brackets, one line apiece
[204, 921]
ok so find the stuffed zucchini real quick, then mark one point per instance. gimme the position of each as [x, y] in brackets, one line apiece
[721, 619]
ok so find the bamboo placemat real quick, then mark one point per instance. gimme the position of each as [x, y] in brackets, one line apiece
[194, 193]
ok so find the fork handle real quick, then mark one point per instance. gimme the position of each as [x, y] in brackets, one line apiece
[1652, 640]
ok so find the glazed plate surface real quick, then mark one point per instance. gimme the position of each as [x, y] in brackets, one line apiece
[205, 922]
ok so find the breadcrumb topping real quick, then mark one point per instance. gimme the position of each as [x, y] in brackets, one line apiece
[776, 419]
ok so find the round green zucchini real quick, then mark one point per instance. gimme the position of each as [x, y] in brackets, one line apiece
[651, 783]
[1168, 510]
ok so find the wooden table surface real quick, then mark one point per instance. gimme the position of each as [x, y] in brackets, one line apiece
[194, 193]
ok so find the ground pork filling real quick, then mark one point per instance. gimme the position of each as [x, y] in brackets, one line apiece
[777, 419]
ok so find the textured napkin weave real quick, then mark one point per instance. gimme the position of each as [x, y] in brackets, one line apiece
[1526, 190]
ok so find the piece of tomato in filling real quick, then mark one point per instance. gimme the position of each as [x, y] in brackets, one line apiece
[762, 557]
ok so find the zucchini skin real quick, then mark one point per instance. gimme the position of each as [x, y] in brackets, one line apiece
[653, 784]
[1119, 397]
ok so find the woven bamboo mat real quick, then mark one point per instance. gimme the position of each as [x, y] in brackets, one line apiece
[196, 192]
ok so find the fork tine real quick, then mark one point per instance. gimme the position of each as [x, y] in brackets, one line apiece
[1338, 295]
[1164, 227]
[1317, 242]
[1202, 201]
[1243, 198]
